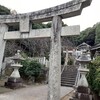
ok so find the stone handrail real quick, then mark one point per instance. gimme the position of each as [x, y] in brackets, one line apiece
[77, 78]
[63, 69]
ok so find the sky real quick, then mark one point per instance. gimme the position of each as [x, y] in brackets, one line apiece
[89, 16]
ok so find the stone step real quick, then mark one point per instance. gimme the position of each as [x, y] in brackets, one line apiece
[71, 69]
[67, 79]
[69, 73]
[68, 76]
[64, 78]
[67, 85]
[72, 83]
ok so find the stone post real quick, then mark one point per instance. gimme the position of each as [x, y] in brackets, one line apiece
[15, 81]
[3, 29]
[82, 90]
[66, 58]
[55, 60]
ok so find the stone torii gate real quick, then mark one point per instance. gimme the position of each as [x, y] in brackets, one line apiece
[54, 14]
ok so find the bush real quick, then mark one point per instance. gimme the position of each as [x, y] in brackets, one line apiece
[22, 71]
[94, 75]
[31, 69]
[96, 81]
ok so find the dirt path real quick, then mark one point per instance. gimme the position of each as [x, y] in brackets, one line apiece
[32, 93]
[67, 96]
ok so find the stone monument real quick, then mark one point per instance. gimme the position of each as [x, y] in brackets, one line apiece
[82, 90]
[14, 81]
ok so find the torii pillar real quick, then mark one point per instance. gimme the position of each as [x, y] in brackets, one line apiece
[3, 29]
[54, 14]
[55, 60]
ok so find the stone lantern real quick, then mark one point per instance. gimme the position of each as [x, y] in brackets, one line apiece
[14, 81]
[82, 90]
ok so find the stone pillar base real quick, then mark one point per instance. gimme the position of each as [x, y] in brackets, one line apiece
[82, 93]
[14, 83]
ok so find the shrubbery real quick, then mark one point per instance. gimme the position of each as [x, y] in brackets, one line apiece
[30, 70]
[94, 75]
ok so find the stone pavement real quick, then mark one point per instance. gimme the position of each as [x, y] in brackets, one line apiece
[32, 93]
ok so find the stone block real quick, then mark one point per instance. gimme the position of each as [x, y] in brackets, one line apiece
[84, 96]
[14, 83]
[82, 89]
[24, 24]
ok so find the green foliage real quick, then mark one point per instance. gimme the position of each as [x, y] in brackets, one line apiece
[90, 36]
[4, 10]
[94, 75]
[74, 39]
[91, 74]
[87, 36]
[97, 37]
[96, 62]
[42, 25]
[70, 61]
[84, 34]
[37, 26]
[33, 69]
[30, 69]
[22, 70]
[96, 82]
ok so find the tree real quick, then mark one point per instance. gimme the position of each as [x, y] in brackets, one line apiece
[4, 10]
[94, 76]
[32, 47]
[97, 37]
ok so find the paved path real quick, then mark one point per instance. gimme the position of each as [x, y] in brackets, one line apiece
[32, 93]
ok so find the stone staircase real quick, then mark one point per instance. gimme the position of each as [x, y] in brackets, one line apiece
[68, 76]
